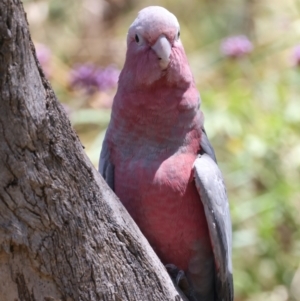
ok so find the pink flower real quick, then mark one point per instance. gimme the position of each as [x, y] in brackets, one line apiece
[296, 56]
[236, 46]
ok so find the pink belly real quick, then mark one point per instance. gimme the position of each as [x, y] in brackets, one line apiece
[163, 200]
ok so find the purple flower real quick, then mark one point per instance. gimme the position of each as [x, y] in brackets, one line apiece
[43, 54]
[236, 46]
[107, 78]
[84, 77]
[93, 79]
[296, 56]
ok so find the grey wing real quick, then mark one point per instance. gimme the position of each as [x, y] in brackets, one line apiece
[212, 191]
[206, 147]
[106, 168]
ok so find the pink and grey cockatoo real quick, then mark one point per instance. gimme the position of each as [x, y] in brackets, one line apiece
[158, 160]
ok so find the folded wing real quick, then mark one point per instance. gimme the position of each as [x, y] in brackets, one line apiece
[212, 191]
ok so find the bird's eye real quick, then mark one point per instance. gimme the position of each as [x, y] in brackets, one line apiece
[178, 35]
[139, 39]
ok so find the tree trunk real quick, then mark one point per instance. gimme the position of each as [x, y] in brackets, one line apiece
[63, 233]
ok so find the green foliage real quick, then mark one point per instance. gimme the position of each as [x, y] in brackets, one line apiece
[251, 106]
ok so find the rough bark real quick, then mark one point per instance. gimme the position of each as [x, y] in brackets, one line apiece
[63, 234]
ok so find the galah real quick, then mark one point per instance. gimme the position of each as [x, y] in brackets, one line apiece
[158, 160]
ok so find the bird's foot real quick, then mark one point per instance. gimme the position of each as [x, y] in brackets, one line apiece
[180, 281]
[178, 276]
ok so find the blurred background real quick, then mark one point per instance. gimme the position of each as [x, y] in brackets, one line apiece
[246, 63]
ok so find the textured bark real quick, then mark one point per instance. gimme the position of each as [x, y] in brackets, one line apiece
[63, 233]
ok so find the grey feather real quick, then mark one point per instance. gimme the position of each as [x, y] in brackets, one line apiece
[212, 191]
[106, 168]
[206, 147]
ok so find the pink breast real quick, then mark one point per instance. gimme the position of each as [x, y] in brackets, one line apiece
[163, 200]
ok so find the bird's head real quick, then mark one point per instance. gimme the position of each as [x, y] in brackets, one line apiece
[154, 49]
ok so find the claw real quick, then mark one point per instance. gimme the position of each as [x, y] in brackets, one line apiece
[172, 270]
[180, 280]
[180, 277]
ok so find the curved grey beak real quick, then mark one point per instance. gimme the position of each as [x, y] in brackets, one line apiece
[162, 48]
